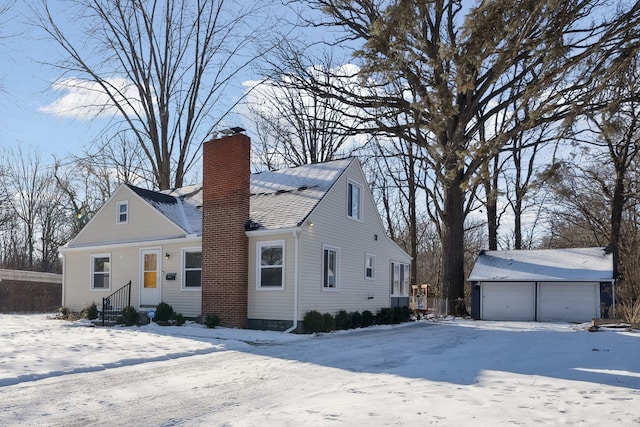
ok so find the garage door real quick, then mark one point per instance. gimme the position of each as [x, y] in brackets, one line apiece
[568, 302]
[508, 301]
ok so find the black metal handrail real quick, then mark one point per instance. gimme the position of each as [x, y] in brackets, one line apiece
[116, 302]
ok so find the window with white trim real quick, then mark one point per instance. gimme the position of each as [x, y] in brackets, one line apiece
[330, 267]
[370, 266]
[101, 272]
[354, 201]
[122, 212]
[399, 279]
[270, 274]
[192, 269]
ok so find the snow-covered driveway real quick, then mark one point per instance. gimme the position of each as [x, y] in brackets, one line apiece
[427, 373]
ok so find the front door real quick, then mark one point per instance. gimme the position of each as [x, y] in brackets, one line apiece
[150, 277]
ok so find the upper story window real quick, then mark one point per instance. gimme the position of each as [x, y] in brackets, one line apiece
[192, 265]
[101, 271]
[330, 267]
[354, 210]
[370, 266]
[122, 212]
[270, 274]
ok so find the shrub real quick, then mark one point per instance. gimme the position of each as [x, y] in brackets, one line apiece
[212, 320]
[343, 320]
[313, 322]
[91, 312]
[163, 312]
[329, 322]
[64, 312]
[355, 320]
[396, 316]
[384, 316]
[367, 319]
[179, 319]
[128, 317]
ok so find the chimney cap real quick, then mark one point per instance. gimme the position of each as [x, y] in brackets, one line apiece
[231, 131]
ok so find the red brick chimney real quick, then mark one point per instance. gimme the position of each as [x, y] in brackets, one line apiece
[225, 211]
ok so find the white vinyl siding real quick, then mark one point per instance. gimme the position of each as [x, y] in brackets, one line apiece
[263, 304]
[356, 292]
[143, 223]
[101, 272]
[270, 265]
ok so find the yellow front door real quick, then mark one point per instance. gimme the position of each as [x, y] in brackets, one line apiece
[150, 293]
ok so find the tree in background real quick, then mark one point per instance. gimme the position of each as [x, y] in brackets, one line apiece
[162, 68]
[461, 68]
[295, 124]
[602, 198]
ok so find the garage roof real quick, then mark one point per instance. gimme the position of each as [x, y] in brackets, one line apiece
[566, 265]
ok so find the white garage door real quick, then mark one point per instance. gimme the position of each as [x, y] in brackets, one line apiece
[508, 301]
[568, 302]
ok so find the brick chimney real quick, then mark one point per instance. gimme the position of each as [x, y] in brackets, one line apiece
[225, 211]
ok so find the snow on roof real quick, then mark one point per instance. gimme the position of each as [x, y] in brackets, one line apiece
[284, 198]
[279, 199]
[576, 264]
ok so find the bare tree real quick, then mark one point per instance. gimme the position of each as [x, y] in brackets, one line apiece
[295, 124]
[32, 237]
[165, 68]
[455, 62]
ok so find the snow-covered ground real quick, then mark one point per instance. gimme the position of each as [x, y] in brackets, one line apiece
[448, 373]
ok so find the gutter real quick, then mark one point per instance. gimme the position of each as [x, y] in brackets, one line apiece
[296, 237]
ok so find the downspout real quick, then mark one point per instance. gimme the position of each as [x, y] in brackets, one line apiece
[296, 239]
[64, 274]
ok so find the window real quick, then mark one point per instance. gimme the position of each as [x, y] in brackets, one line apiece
[122, 212]
[330, 267]
[192, 264]
[100, 271]
[369, 266]
[399, 279]
[270, 273]
[353, 201]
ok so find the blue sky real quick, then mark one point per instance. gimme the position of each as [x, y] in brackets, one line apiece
[27, 95]
[25, 81]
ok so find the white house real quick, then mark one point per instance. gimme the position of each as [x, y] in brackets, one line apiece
[573, 285]
[259, 250]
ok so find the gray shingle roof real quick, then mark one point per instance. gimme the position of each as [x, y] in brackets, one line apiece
[576, 264]
[279, 199]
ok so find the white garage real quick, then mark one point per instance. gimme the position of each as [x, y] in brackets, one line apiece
[508, 301]
[568, 301]
[568, 285]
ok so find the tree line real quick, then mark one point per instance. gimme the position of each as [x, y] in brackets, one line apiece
[493, 124]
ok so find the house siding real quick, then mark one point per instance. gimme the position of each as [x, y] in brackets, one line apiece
[125, 267]
[144, 223]
[271, 304]
[355, 238]
[188, 302]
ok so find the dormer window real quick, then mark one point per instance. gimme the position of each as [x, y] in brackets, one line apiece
[122, 212]
[353, 201]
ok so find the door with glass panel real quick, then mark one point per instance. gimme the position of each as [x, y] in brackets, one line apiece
[150, 277]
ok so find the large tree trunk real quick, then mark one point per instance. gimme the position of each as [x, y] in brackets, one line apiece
[452, 246]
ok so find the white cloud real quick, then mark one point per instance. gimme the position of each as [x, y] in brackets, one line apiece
[84, 99]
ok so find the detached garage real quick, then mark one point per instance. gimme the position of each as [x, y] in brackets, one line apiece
[546, 285]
